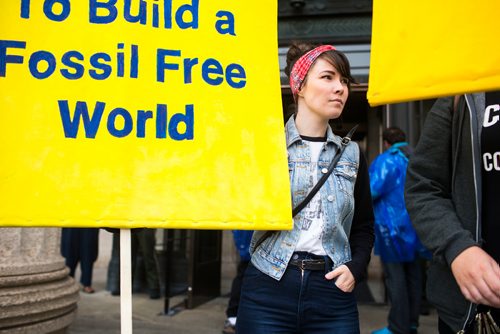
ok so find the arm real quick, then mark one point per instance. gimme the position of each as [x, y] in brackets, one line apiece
[379, 175]
[361, 237]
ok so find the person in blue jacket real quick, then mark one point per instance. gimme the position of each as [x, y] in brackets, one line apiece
[396, 241]
[242, 240]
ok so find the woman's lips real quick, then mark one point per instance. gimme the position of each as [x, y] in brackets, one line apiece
[337, 100]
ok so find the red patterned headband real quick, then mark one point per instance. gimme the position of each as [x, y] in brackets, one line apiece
[302, 66]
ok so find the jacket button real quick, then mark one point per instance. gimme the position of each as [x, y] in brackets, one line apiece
[330, 198]
[324, 170]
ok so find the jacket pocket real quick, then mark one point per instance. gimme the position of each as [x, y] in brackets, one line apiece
[346, 174]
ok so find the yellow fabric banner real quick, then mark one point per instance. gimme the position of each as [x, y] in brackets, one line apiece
[136, 113]
[425, 49]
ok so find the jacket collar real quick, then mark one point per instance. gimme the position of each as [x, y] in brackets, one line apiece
[292, 134]
[399, 144]
[395, 148]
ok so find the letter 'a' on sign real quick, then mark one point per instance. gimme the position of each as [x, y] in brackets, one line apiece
[126, 114]
[426, 49]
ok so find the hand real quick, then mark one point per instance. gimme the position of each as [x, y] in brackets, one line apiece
[478, 276]
[345, 280]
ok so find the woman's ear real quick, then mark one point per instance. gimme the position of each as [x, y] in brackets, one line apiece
[303, 87]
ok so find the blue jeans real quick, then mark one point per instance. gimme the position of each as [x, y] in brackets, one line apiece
[404, 289]
[298, 303]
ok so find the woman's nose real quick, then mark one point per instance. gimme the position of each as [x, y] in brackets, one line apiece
[338, 87]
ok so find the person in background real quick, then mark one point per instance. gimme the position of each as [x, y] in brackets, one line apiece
[81, 245]
[301, 280]
[396, 241]
[113, 274]
[453, 200]
[143, 240]
[242, 242]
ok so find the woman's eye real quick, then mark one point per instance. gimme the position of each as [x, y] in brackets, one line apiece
[344, 81]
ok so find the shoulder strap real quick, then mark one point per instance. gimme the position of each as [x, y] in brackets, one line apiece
[345, 141]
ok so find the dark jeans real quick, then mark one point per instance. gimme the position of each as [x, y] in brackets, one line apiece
[298, 303]
[80, 245]
[404, 289]
[234, 299]
[113, 278]
[145, 241]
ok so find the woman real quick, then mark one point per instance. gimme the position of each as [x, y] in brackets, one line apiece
[301, 281]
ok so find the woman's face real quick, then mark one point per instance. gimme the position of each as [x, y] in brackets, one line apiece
[324, 94]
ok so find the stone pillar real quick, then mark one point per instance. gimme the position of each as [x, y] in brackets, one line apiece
[36, 293]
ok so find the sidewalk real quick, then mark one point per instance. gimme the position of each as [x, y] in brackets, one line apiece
[99, 313]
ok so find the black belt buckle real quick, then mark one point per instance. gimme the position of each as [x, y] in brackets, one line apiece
[302, 264]
[309, 264]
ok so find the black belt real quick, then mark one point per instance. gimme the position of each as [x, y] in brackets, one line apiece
[308, 264]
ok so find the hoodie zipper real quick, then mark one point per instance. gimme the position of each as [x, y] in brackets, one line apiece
[474, 161]
[473, 124]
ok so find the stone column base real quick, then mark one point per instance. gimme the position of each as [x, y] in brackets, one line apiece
[36, 293]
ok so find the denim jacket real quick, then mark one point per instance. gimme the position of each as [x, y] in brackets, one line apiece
[337, 199]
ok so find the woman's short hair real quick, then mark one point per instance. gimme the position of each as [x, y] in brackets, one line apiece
[393, 135]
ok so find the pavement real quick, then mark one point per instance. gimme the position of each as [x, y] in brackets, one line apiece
[99, 313]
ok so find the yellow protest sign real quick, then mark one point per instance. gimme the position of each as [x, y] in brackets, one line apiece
[136, 113]
[425, 49]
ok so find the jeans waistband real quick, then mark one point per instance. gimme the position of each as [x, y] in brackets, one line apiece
[309, 261]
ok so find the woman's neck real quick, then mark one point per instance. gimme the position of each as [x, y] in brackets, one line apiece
[310, 126]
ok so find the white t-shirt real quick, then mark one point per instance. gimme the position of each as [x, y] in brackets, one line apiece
[312, 221]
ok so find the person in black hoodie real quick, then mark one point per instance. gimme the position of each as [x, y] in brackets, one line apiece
[453, 199]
